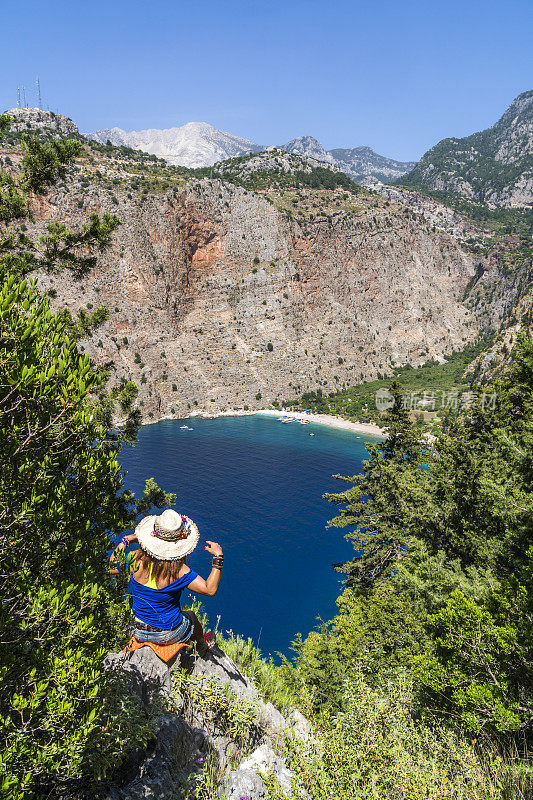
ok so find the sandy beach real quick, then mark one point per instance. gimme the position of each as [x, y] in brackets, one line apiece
[365, 428]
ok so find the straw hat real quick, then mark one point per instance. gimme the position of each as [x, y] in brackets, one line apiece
[168, 537]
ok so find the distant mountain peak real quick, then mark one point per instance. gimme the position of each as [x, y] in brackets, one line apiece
[195, 144]
[199, 144]
[308, 146]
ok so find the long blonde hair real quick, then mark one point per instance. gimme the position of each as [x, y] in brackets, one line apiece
[163, 572]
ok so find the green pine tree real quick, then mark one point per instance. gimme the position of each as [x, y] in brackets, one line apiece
[377, 504]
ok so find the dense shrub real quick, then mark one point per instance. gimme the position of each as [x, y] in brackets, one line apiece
[62, 722]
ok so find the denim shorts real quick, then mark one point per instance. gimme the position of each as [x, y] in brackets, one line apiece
[180, 634]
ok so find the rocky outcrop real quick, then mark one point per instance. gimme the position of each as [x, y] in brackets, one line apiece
[501, 293]
[46, 122]
[246, 780]
[185, 740]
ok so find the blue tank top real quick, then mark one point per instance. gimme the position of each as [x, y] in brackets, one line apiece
[160, 608]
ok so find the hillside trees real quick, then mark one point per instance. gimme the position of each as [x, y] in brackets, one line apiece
[61, 506]
[481, 666]
[378, 499]
[440, 583]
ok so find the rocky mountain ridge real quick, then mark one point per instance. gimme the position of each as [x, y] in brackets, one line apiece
[494, 166]
[198, 144]
[365, 166]
[362, 164]
[195, 144]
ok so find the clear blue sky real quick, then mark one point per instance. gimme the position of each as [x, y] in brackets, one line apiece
[397, 76]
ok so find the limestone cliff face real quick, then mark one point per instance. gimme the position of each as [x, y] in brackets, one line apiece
[502, 292]
[219, 300]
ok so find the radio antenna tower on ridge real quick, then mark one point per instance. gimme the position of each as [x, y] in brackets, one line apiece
[18, 96]
[39, 101]
[24, 96]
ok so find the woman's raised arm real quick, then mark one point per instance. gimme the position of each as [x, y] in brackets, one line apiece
[210, 586]
[122, 545]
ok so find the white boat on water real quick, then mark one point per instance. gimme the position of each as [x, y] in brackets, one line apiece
[184, 427]
[304, 422]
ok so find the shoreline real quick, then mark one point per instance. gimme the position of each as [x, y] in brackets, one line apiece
[365, 428]
[330, 421]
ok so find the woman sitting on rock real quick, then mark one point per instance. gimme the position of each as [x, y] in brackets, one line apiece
[161, 575]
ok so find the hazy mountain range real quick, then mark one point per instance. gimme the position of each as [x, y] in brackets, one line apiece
[198, 144]
[493, 166]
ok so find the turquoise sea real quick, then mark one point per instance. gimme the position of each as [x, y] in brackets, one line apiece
[255, 486]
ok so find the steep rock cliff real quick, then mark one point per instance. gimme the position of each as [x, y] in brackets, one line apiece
[219, 299]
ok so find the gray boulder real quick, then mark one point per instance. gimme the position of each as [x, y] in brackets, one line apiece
[246, 780]
[165, 769]
[184, 740]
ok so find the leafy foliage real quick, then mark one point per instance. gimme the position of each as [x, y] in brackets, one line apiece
[431, 380]
[482, 661]
[440, 583]
[376, 502]
[62, 721]
[375, 750]
[223, 711]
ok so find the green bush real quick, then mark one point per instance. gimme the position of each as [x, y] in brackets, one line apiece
[374, 750]
[482, 666]
[63, 723]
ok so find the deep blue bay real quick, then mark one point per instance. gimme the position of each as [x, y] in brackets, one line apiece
[256, 486]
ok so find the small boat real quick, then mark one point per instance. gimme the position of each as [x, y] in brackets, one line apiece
[184, 428]
[311, 434]
[304, 422]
